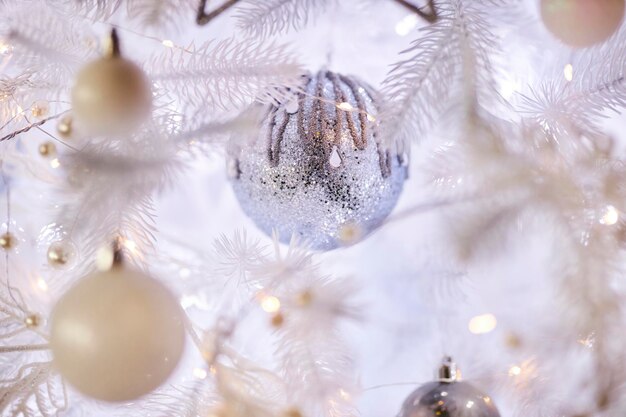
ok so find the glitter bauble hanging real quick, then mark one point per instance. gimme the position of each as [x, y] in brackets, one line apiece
[318, 169]
[582, 23]
[117, 335]
[448, 397]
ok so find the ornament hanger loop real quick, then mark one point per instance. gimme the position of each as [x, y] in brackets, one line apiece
[448, 372]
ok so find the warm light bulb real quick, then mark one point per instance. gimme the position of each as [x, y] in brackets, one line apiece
[345, 106]
[483, 324]
[568, 71]
[200, 373]
[407, 24]
[270, 304]
[610, 216]
[515, 371]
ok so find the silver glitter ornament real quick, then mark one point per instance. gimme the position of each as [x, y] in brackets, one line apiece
[448, 397]
[319, 169]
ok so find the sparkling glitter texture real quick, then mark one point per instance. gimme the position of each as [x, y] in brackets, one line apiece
[318, 169]
[441, 399]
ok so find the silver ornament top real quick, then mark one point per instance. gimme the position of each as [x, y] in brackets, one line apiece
[448, 397]
[319, 169]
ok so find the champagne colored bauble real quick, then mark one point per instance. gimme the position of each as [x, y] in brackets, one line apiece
[117, 335]
[582, 23]
[111, 96]
[319, 167]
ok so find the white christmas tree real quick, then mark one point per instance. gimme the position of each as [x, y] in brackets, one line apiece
[134, 281]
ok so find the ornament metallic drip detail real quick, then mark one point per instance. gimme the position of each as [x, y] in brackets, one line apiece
[320, 167]
[448, 397]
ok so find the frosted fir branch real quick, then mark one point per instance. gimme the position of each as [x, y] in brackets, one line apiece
[244, 125]
[92, 9]
[55, 58]
[419, 88]
[598, 84]
[111, 186]
[226, 75]
[314, 362]
[34, 390]
[264, 18]
[160, 14]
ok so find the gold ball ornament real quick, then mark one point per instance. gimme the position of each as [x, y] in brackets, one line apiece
[47, 149]
[60, 253]
[117, 335]
[111, 95]
[7, 241]
[65, 125]
[582, 23]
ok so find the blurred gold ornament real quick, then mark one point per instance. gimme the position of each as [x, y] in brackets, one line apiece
[64, 127]
[32, 321]
[40, 109]
[60, 253]
[47, 149]
[292, 412]
[111, 95]
[513, 341]
[304, 298]
[117, 335]
[582, 23]
[7, 241]
[278, 319]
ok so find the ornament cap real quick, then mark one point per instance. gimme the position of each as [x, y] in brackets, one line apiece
[113, 45]
[118, 253]
[448, 371]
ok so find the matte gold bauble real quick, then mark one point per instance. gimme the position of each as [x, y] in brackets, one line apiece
[582, 23]
[117, 335]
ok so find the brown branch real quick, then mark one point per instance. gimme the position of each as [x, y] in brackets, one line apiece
[203, 18]
[430, 16]
[31, 126]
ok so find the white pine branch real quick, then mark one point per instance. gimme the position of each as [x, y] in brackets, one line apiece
[226, 75]
[27, 28]
[263, 18]
[161, 14]
[419, 88]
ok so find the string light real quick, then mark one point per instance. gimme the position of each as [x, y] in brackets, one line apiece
[568, 72]
[610, 216]
[168, 43]
[406, 25]
[345, 106]
[270, 304]
[42, 285]
[5, 48]
[55, 163]
[515, 371]
[200, 373]
[482, 324]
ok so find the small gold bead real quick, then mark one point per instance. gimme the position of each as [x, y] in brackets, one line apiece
[278, 319]
[32, 321]
[47, 149]
[40, 109]
[64, 127]
[59, 253]
[292, 412]
[513, 341]
[304, 298]
[7, 241]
